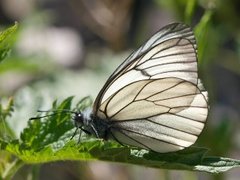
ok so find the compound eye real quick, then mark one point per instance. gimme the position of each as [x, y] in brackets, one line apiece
[78, 117]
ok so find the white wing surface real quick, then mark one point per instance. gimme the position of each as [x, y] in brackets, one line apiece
[154, 99]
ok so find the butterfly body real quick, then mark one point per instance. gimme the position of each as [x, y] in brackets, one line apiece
[91, 124]
[154, 99]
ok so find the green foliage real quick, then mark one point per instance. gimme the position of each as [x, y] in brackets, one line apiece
[49, 139]
[189, 11]
[35, 135]
[183, 9]
[6, 40]
[202, 35]
[5, 130]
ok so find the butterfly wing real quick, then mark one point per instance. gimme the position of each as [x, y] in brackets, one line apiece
[153, 100]
[168, 33]
[171, 31]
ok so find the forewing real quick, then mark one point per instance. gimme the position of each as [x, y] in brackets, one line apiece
[162, 115]
[171, 52]
[171, 31]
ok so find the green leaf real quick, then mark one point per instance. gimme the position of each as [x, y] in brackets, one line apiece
[189, 10]
[49, 139]
[40, 134]
[6, 41]
[202, 34]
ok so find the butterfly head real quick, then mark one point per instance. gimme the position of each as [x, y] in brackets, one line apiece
[84, 121]
[78, 119]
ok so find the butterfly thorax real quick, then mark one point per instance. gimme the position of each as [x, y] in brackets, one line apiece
[102, 127]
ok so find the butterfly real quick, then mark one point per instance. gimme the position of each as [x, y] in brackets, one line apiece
[154, 100]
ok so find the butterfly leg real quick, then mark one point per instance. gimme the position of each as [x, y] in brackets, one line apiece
[95, 131]
[75, 132]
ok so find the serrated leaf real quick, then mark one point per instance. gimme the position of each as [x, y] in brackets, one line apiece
[49, 140]
[38, 134]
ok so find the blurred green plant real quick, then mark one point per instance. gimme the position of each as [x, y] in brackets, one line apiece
[202, 35]
[7, 38]
[183, 9]
[5, 112]
[6, 41]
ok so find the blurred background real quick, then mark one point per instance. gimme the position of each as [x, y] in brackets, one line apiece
[66, 48]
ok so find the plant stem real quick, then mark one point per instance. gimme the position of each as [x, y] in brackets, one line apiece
[12, 168]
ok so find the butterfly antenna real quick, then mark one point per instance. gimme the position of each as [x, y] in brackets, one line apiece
[40, 117]
[54, 112]
[57, 111]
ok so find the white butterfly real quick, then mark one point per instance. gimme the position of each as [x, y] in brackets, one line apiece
[154, 99]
